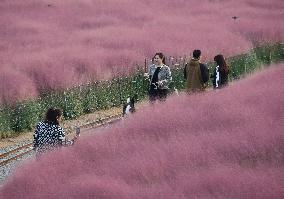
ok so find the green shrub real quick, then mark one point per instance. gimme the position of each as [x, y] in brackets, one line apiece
[71, 103]
[114, 93]
[128, 88]
[140, 85]
[251, 62]
[243, 64]
[102, 89]
[89, 98]
[263, 54]
[277, 52]
[5, 130]
[178, 78]
[102, 95]
[52, 99]
[24, 116]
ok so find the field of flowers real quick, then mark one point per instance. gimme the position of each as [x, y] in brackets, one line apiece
[49, 45]
[88, 55]
[101, 95]
[220, 144]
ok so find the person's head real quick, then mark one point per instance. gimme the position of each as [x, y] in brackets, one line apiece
[159, 59]
[220, 61]
[196, 54]
[53, 115]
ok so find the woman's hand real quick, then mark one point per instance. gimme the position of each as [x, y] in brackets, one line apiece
[159, 83]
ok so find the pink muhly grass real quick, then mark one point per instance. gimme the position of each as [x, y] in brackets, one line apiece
[220, 144]
[15, 86]
[109, 37]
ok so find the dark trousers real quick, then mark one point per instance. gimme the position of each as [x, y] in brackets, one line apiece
[158, 94]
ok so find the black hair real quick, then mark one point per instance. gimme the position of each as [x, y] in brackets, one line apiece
[133, 99]
[219, 59]
[196, 54]
[52, 115]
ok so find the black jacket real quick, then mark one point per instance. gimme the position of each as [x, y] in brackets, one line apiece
[219, 78]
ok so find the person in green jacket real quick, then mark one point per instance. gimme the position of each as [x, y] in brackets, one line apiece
[196, 73]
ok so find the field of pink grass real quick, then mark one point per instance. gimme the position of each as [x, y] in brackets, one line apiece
[58, 44]
[220, 144]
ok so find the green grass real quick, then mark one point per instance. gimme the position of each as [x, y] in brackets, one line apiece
[102, 95]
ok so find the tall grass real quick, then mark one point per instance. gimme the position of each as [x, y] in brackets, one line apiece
[224, 143]
[57, 45]
[101, 95]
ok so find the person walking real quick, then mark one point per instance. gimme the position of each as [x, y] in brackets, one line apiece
[221, 72]
[159, 75]
[196, 73]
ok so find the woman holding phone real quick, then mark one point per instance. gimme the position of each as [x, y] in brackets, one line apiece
[49, 135]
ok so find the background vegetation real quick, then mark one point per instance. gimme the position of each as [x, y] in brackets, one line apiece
[218, 145]
[100, 95]
[91, 40]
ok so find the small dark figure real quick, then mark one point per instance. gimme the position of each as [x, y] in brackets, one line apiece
[129, 106]
[235, 17]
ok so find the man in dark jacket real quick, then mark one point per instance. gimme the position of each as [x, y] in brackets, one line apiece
[196, 73]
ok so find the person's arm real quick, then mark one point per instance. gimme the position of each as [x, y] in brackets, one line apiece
[62, 138]
[204, 73]
[214, 77]
[150, 73]
[123, 109]
[167, 79]
[185, 72]
[36, 134]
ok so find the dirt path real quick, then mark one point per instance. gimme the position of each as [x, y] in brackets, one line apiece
[68, 125]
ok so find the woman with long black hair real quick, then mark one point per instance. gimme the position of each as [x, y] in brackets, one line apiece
[221, 72]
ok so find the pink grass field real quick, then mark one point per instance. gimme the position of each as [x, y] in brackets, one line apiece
[58, 44]
[219, 144]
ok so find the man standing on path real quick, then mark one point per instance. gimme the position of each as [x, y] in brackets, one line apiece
[196, 73]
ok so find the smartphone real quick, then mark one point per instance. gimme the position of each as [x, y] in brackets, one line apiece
[146, 74]
[78, 131]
